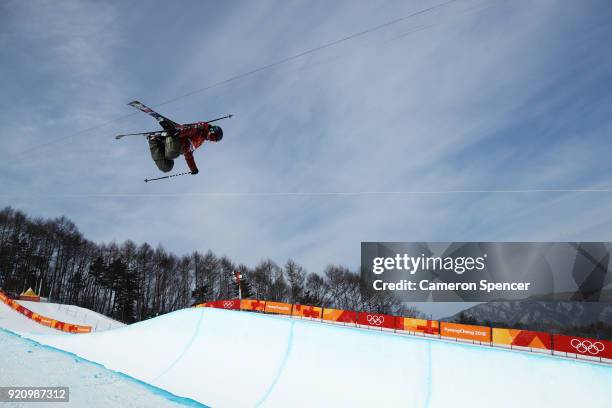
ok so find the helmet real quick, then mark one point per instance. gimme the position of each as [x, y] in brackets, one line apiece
[217, 131]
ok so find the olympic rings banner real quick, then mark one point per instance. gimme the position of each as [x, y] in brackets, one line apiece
[228, 304]
[337, 315]
[313, 312]
[522, 338]
[583, 346]
[376, 320]
[464, 331]
[233, 304]
[278, 308]
[253, 304]
[417, 325]
[45, 321]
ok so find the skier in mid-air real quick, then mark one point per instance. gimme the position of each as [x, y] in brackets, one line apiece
[176, 139]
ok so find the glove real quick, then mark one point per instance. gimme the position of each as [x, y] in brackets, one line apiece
[194, 172]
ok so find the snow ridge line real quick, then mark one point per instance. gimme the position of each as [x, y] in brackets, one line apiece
[187, 347]
[281, 367]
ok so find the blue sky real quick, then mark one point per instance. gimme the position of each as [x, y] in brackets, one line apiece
[474, 95]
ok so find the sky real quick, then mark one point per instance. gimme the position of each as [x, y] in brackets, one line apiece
[325, 150]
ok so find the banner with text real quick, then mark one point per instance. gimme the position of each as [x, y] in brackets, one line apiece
[465, 332]
[278, 308]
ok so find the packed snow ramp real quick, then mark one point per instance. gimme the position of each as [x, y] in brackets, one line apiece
[236, 359]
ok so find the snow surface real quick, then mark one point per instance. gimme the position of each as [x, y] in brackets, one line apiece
[238, 359]
[26, 363]
[72, 314]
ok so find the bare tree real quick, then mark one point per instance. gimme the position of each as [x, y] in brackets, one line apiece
[296, 276]
[134, 282]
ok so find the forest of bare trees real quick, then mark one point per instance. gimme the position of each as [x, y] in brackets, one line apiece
[132, 282]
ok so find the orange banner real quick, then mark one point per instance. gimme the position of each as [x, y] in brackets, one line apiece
[417, 325]
[312, 312]
[45, 321]
[523, 338]
[253, 304]
[467, 332]
[83, 329]
[337, 315]
[278, 308]
[206, 304]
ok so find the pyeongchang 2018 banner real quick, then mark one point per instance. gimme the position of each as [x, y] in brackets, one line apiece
[487, 271]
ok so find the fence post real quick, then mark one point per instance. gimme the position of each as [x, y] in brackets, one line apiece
[552, 344]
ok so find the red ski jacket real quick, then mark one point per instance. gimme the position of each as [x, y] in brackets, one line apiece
[191, 139]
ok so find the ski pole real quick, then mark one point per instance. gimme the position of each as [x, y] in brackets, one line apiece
[165, 177]
[222, 117]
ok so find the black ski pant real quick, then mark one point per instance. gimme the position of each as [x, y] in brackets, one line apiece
[164, 151]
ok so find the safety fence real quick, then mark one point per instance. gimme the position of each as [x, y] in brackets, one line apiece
[526, 340]
[45, 321]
